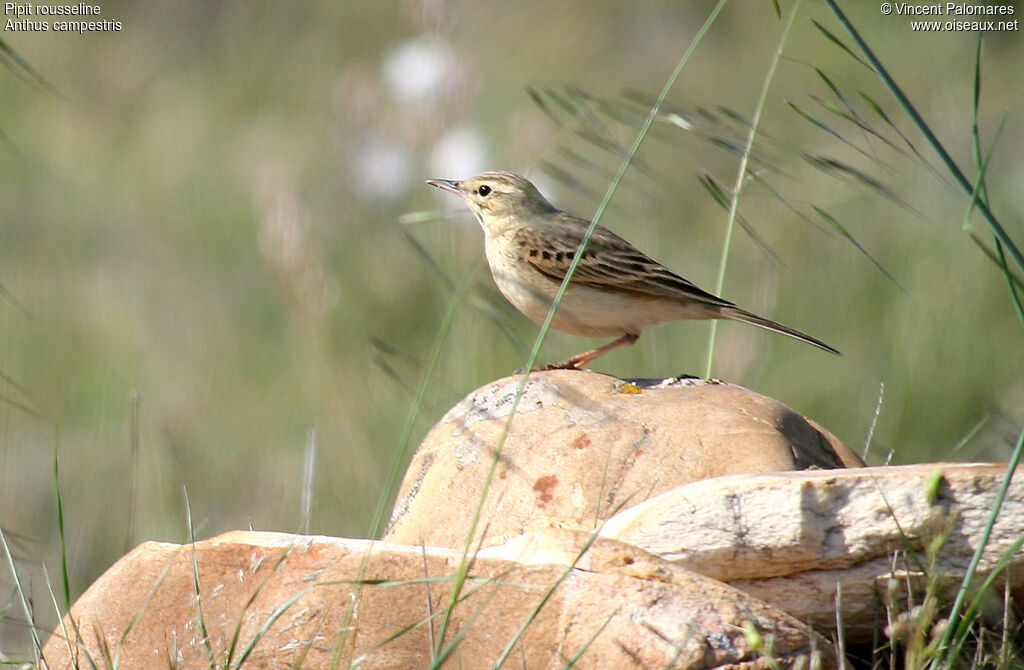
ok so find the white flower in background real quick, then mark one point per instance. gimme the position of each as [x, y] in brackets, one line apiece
[458, 154]
[422, 69]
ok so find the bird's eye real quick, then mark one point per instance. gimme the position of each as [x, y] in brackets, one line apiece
[484, 190]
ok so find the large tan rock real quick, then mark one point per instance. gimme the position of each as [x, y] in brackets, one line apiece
[582, 446]
[791, 538]
[283, 601]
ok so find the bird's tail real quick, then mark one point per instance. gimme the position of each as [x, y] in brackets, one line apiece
[737, 314]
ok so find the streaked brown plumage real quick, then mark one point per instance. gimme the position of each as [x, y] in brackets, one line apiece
[616, 290]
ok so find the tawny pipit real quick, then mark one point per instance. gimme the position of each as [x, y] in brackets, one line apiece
[616, 290]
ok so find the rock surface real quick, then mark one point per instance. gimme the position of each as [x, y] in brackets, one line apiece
[790, 538]
[276, 600]
[582, 446]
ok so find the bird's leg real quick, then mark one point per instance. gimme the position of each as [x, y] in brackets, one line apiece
[579, 360]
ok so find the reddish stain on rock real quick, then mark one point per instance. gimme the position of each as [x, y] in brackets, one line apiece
[581, 442]
[544, 487]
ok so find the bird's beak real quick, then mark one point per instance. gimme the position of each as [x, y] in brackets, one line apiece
[450, 185]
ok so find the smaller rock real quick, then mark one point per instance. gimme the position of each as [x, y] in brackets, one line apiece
[791, 538]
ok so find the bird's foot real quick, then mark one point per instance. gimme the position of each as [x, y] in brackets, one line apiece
[579, 360]
[564, 365]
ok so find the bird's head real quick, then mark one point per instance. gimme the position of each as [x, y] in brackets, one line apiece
[497, 198]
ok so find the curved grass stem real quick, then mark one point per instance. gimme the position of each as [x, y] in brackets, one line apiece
[741, 179]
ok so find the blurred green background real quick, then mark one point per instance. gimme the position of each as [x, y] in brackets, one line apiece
[209, 264]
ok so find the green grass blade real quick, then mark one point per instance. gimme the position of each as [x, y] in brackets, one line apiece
[717, 193]
[741, 180]
[65, 578]
[965, 584]
[925, 129]
[200, 619]
[839, 43]
[572, 660]
[980, 192]
[274, 616]
[994, 257]
[548, 593]
[21, 67]
[963, 629]
[538, 99]
[26, 604]
[236, 634]
[839, 228]
[843, 171]
[149, 598]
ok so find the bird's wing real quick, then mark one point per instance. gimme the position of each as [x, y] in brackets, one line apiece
[609, 262]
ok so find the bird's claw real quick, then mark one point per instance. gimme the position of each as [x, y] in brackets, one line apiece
[564, 365]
